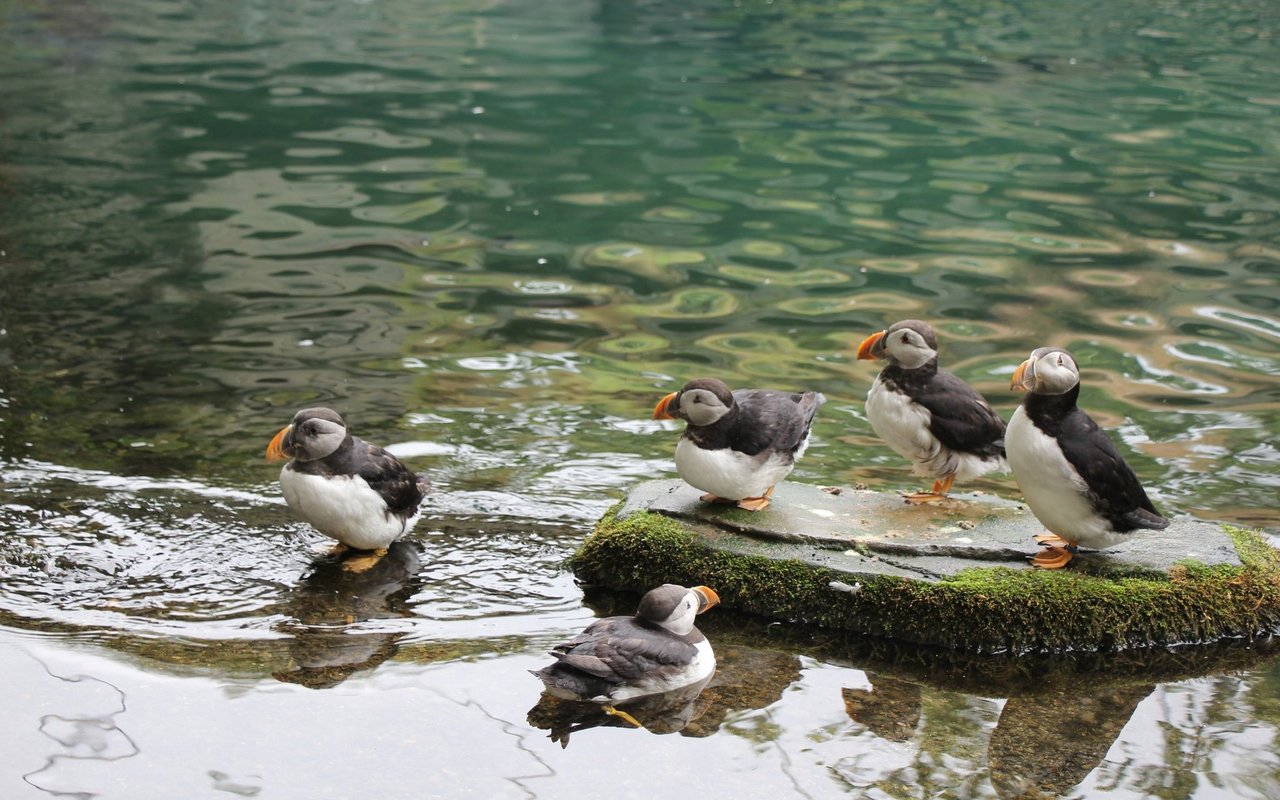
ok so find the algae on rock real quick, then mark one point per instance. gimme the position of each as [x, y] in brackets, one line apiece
[1005, 607]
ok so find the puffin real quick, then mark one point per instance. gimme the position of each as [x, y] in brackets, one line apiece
[1074, 480]
[738, 445]
[345, 487]
[616, 659]
[927, 415]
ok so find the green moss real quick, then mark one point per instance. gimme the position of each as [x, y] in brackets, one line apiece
[980, 610]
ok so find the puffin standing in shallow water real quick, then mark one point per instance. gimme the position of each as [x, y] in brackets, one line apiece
[620, 658]
[344, 487]
[738, 445]
[1073, 478]
[926, 414]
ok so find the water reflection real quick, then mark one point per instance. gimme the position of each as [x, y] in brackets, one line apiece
[329, 608]
[1046, 743]
[668, 712]
[746, 678]
[890, 708]
[81, 736]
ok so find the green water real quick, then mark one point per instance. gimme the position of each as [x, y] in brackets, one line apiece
[493, 235]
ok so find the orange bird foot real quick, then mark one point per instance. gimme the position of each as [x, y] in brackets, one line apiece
[935, 495]
[715, 498]
[920, 498]
[622, 715]
[1051, 540]
[1054, 557]
[364, 562]
[757, 503]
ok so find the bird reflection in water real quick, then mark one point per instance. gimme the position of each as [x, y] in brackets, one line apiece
[746, 678]
[1045, 744]
[668, 712]
[328, 607]
[890, 708]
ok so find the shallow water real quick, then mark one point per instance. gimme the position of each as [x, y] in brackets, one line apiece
[493, 235]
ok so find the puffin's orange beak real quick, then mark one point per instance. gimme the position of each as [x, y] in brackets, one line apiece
[663, 409]
[870, 348]
[1024, 377]
[709, 597]
[275, 450]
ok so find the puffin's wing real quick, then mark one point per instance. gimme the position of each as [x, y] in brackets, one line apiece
[391, 479]
[1113, 487]
[769, 419]
[961, 418]
[623, 651]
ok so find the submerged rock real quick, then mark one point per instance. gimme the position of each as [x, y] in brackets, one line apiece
[954, 574]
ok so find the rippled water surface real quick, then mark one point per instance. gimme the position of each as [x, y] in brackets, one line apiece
[493, 235]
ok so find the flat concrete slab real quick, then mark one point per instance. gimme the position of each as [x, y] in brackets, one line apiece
[859, 531]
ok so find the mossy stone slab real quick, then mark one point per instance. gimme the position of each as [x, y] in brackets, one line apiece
[954, 574]
[863, 531]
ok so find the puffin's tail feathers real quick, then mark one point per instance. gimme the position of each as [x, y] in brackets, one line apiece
[568, 683]
[1142, 518]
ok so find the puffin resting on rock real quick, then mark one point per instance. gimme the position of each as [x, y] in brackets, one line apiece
[738, 445]
[926, 414]
[616, 659]
[344, 487]
[1073, 478]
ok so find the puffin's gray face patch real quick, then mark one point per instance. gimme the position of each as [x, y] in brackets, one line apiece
[701, 407]
[316, 438]
[681, 605]
[1056, 373]
[908, 348]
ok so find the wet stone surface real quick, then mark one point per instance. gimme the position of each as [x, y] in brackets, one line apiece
[864, 532]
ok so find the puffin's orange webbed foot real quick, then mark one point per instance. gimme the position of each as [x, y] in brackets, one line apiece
[622, 715]
[712, 498]
[1051, 540]
[1053, 557]
[757, 503]
[935, 495]
[921, 498]
[364, 562]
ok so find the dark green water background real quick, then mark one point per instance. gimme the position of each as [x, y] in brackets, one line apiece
[492, 235]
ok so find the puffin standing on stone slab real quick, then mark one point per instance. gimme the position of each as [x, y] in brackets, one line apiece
[344, 487]
[620, 658]
[926, 414]
[738, 445]
[1073, 478]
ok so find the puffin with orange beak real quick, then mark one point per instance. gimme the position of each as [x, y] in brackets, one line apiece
[621, 658]
[345, 487]
[927, 415]
[1074, 480]
[738, 445]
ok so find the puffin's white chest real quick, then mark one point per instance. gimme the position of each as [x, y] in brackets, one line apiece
[729, 474]
[901, 423]
[344, 507]
[1054, 491]
[700, 668]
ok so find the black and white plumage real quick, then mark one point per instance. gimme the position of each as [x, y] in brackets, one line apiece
[619, 658]
[738, 445]
[1074, 480]
[345, 487]
[927, 415]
